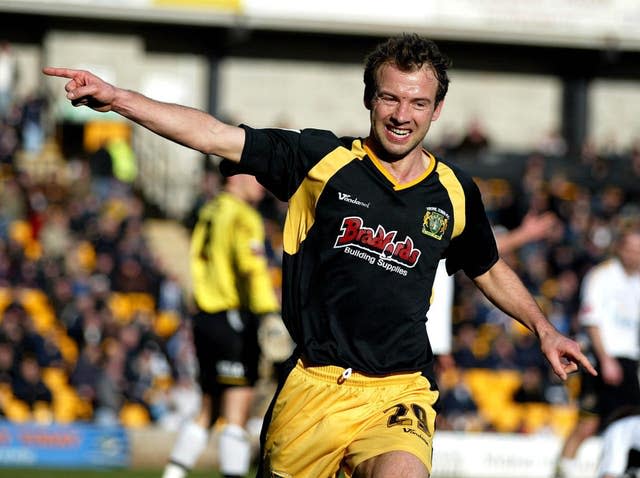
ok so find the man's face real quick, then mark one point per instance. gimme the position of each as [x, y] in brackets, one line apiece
[402, 110]
[629, 252]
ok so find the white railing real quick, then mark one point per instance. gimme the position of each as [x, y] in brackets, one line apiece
[168, 174]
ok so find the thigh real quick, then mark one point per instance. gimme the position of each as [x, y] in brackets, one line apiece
[393, 464]
[308, 429]
[405, 423]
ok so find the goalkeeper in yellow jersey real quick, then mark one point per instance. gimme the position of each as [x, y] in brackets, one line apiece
[237, 315]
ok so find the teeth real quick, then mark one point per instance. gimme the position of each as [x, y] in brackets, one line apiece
[399, 132]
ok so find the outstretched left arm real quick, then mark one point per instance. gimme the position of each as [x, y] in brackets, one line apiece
[505, 290]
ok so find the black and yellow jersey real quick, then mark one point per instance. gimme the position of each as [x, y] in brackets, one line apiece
[361, 251]
[228, 264]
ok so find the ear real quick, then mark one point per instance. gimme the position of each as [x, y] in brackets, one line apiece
[437, 111]
[367, 105]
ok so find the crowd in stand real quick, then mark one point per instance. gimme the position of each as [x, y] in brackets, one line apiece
[91, 326]
[592, 205]
[88, 315]
[107, 315]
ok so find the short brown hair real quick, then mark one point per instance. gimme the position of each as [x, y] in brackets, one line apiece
[407, 52]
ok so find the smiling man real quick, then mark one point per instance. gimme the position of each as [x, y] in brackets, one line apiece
[368, 221]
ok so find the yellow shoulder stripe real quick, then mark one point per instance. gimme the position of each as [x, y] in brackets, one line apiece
[302, 205]
[456, 194]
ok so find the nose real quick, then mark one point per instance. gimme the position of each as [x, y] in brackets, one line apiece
[401, 113]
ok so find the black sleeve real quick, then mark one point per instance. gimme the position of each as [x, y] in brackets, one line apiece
[474, 250]
[280, 158]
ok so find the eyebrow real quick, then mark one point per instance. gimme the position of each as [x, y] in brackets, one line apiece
[422, 98]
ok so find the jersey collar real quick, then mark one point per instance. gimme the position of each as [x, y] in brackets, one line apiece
[397, 185]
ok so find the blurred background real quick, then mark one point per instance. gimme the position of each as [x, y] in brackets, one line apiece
[96, 363]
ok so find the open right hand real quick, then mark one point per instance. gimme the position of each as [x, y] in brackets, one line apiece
[85, 89]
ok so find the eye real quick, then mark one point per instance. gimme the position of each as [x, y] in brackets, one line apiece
[387, 99]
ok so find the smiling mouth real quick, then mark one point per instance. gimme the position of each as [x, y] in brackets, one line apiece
[401, 133]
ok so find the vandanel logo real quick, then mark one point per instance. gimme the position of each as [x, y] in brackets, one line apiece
[347, 198]
[380, 242]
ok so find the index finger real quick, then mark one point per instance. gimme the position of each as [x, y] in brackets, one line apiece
[61, 72]
[584, 361]
[581, 359]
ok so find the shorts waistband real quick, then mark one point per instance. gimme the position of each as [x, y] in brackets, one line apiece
[341, 375]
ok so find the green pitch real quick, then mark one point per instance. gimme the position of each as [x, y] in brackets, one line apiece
[121, 473]
[124, 473]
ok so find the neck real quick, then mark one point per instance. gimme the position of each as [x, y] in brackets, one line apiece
[629, 269]
[236, 192]
[404, 169]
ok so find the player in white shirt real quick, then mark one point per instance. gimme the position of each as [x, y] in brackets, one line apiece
[610, 316]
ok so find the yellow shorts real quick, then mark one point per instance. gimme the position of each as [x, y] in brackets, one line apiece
[322, 422]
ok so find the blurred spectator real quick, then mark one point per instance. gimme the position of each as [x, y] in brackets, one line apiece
[13, 206]
[181, 352]
[111, 385]
[8, 77]
[465, 353]
[151, 375]
[86, 373]
[101, 167]
[9, 143]
[7, 362]
[459, 409]
[55, 235]
[536, 270]
[170, 296]
[28, 385]
[552, 144]
[503, 354]
[526, 352]
[563, 295]
[532, 387]
[32, 128]
[130, 275]
[123, 161]
[475, 140]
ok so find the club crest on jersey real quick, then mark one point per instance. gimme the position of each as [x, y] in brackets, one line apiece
[435, 222]
[380, 242]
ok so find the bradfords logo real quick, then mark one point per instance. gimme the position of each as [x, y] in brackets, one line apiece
[380, 242]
